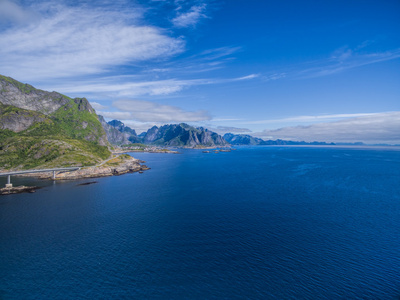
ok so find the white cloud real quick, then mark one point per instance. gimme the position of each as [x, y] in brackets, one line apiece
[368, 128]
[251, 76]
[97, 106]
[115, 115]
[147, 111]
[131, 86]
[71, 41]
[10, 11]
[190, 18]
[217, 53]
[116, 87]
[345, 59]
[229, 129]
[311, 119]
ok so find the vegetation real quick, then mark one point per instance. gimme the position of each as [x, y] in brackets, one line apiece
[24, 152]
[71, 136]
[117, 160]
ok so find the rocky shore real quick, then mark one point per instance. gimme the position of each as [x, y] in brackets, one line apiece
[117, 166]
[18, 190]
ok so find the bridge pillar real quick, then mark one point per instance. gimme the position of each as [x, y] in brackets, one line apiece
[54, 175]
[9, 184]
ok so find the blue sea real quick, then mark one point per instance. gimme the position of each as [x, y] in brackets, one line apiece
[254, 223]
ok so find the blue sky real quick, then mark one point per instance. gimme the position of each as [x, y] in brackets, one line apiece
[300, 70]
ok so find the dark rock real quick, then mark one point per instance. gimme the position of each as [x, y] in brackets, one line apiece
[183, 135]
[18, 190]
[88, 183]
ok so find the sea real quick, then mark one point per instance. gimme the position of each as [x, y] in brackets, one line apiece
[262, 222]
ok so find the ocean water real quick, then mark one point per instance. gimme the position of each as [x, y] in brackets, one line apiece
[255, 223]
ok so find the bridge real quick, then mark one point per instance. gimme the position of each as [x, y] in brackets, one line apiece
[54, 170]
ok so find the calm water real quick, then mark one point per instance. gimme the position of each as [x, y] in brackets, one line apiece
[256, 223]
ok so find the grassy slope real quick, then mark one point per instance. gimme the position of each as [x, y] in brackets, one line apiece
[58, 141]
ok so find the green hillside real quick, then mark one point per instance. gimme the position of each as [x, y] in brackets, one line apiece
[39, 129]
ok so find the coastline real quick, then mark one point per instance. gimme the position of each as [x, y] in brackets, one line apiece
[114, 166]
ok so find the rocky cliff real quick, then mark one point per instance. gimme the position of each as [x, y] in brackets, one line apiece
[15, 93]
[43, 129]
[129, 133]
[182, 135]
[114, 136]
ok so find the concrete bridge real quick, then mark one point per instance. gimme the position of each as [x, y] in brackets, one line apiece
[54, 170]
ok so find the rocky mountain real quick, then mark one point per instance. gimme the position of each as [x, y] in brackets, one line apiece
[114, 136]
[129, 133]
[44, 129]
[242, 139]
[121, 127]
[245, 139]
[182, 135]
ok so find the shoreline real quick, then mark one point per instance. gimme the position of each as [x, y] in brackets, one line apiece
[114, 166]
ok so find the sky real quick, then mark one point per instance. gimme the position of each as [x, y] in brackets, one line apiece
[297, 70]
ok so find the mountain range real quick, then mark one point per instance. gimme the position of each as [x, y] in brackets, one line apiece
[172, 135]
[245, 139]
[41, 129]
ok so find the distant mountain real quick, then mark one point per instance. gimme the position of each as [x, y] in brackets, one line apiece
[114, 136]
[283, 142]
[182, 135]
[128, 132]
[242, 139]
[245, 139]
[43, 129]
[122, 128]
[117, 133]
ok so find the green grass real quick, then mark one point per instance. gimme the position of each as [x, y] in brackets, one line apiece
[117, 160]
[68, 137]
[57, 141]
[24, 152]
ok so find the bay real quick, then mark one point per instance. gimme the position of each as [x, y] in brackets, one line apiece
[255, 223]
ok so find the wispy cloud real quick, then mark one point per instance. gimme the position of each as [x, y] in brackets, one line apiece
[217, 53]
[251, 76]
[80, 40]
[344, 59]
[148, 111]
[370, 128]
[12, 12]
[311, 119]
[191, 17]
[131, 86]
[229, 129]
[97, 106]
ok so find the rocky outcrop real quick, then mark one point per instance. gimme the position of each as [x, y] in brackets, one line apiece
[183, 135]
[84, 105]
[27, 97]
[127, 132]
[122, 128]
[17, 119]
[114, 136]
[18, 190]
